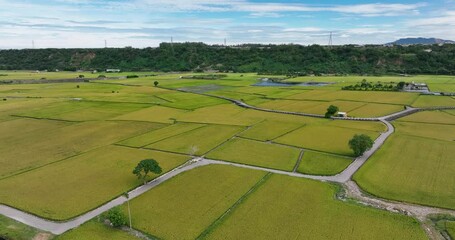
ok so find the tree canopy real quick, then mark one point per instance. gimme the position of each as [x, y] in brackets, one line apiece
[271, 59]
[360, 144]
[144, 167]
[331, 110]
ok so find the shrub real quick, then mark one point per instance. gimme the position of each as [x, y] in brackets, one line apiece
[116, 217]
[132, 76]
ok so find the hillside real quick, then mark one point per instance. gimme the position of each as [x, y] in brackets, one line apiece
[423, 41]
[273, 59]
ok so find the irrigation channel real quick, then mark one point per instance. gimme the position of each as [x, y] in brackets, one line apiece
[350, 188]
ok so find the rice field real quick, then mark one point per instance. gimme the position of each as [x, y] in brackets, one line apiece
[323, 164]
[411, 169]
[323, 138]
[83, 110]
[293, 208]
[70, 147]
[160, 134]
[184, 206]
[22, 151]
[197, 141]
[427, 130]
[89, 179]
[257, 153]
[95, 230]
[158, 114]
[432, 101]
[441, 117]
[270, 129]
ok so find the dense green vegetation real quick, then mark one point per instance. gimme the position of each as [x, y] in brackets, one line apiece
[284, 59]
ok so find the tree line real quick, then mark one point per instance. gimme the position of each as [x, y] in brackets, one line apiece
[288, 59]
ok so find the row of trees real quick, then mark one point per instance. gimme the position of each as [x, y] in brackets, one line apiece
[293, 60]
[378, 86]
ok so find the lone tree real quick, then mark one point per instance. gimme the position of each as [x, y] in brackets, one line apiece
[360, 144]
[331, 111]
[156, 83]
[144, 167]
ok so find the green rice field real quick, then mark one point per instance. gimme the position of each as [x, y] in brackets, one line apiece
[412, 169]
[68, 148]
[257, 153]
[322, 164]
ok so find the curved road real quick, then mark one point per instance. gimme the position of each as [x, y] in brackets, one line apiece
[343, 177]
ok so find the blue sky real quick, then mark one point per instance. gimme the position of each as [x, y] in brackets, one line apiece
[143, 23]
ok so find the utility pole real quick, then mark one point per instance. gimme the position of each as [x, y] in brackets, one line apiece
[105, 43]
[225, 42]
[129, 211]
[172, 45]
[33, 44]
[330, 40]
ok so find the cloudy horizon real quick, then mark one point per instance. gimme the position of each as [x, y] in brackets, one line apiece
[146, 23]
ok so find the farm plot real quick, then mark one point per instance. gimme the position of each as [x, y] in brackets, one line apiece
[220, 114]
[153, 114]
[435, 131]
[344, 106]
[323, 164]
[399, 98]
[83, 110]
[442, 87]
[160, 134]
[441, 117]
[293, 208]
[270, 129]
[21, 151]
[189, 101]
[71, 187]
[197, 141]
[294, 106]
[412, 169]
[362, 125]
[13, 106]
[257, 153]
[323, 138]
[182, 207]
[431, 101]
[95, 230]
[374, 110]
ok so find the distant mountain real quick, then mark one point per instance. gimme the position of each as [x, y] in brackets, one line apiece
[423, 41]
